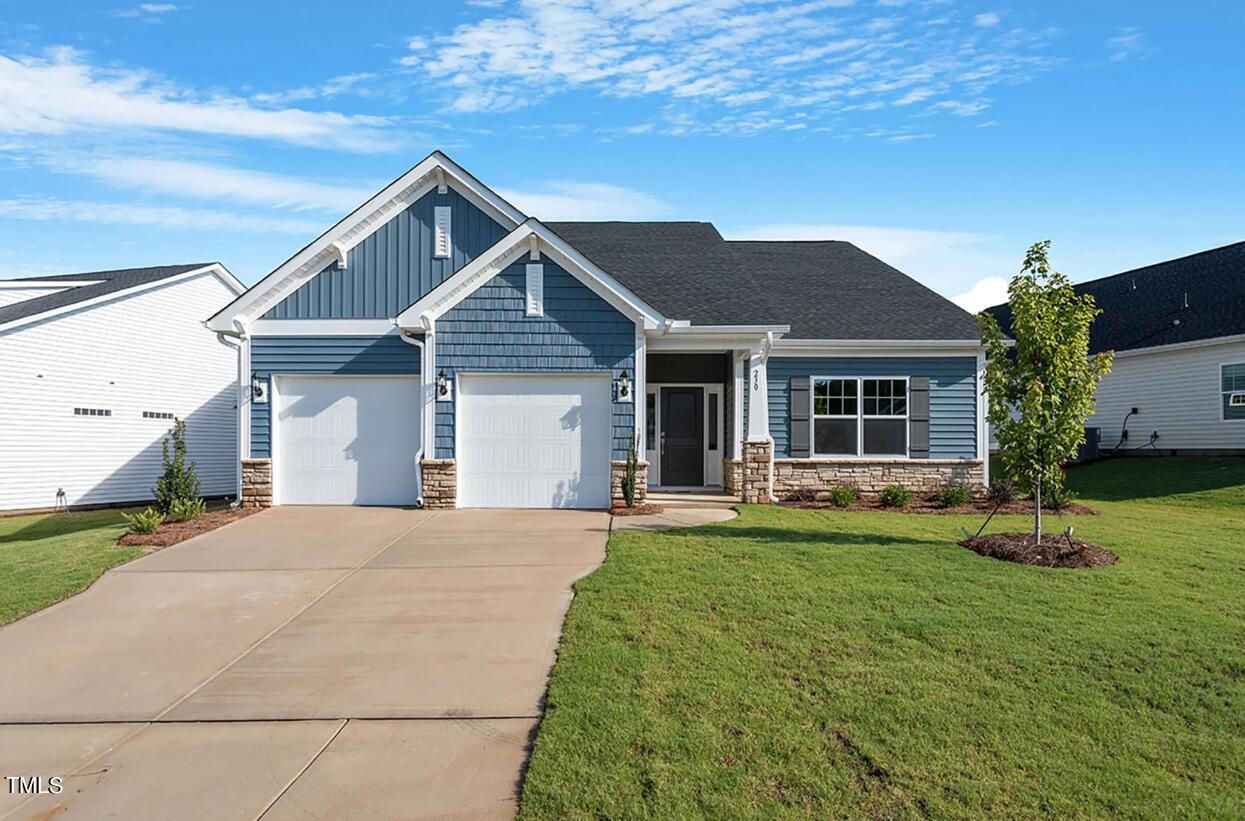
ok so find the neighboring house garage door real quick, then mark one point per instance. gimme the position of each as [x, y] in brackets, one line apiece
[540, 440]
[346, 440]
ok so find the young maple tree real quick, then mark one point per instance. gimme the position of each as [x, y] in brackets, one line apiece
[1041, 389]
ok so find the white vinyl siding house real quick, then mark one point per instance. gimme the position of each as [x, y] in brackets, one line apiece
[88, 392]
[1178, 392]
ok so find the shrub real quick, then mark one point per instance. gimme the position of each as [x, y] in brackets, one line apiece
[145, 522]
[953, 494]
[629, 474]
[1059, 497]
[178, 482]
[896, 496]
[802, 494]
[842, 495]
[183, 510]
[1002, 490]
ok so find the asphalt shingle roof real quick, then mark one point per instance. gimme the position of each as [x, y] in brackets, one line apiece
[823, 290]
[108, 282]
[1201, 296]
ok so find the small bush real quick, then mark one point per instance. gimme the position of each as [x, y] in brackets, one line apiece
[178, 480]
[1059, 498]
[803, 494]
[896, 496]
[145, 522]
[1002, 490]
[953, 494]
[183, 510]
[842, 495]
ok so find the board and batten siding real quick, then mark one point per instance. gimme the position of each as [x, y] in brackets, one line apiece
[142, 352]
[952, 395]
[579, 333]
[314, 355]
[1177, 392]
[396, 265]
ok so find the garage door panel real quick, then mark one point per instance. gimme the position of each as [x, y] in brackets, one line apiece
[347, 440]
[534, 441]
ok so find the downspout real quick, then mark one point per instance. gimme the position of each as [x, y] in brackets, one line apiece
[235, 339]
[766, 348]
[419, 454]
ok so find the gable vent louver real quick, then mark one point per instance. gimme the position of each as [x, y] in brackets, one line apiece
[441, 230]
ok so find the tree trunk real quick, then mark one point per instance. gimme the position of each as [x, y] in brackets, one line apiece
[1037, 512]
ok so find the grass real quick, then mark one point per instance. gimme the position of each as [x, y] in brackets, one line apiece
[835, 664]
[48, 557]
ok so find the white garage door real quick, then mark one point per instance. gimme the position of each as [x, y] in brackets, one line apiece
[346, 440]
[534, 441]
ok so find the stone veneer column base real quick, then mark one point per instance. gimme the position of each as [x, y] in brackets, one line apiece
[732, 475]
[256, 483]
[618, 470]
[440, 477]
[756, 473]
[918, 475]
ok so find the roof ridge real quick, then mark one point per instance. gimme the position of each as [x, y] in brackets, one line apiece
[1216, 250]
[110, 273]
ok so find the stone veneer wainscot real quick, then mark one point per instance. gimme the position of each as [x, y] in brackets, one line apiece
[256, 483]
[872, 476]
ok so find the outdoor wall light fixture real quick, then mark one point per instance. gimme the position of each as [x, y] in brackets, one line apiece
[624, 387]
[259, 389]
[443, 387]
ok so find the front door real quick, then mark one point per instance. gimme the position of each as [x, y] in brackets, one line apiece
[682, 437]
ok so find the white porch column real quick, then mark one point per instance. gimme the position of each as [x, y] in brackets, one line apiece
[758, 396]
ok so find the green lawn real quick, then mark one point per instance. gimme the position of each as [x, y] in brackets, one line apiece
[46, 558]
[826, 664]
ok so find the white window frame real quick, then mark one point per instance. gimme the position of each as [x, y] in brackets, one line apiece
[860, 418]
[1223, 406]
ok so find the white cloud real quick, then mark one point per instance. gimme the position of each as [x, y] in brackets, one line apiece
[211, 181]
[163, 216]
[949, 262]
[148, 12]
[62, 93]
[986, 293]
[571, 200]
[813, 58]
[987, 19]
[1127, 43]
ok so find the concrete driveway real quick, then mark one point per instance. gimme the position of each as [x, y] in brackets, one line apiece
[303, 663]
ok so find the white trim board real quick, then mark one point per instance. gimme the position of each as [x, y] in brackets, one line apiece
[433, 172]
[516, 245]
[322, 327]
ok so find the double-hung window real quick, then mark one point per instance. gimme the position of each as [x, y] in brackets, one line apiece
[860, 416]
[1232, 379]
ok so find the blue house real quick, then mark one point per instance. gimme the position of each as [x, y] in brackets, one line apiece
[439, 345]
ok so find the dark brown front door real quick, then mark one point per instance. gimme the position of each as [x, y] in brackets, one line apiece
[682, 437]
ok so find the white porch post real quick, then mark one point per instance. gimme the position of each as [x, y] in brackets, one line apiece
[737, 373]
[639, 390]
[758, 396]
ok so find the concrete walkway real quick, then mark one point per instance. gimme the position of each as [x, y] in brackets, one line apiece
[674, 517]
[304, 663]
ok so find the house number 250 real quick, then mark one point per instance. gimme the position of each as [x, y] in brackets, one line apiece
[756, 380]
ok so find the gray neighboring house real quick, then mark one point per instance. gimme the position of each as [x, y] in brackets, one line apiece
[437, 344]
[1178, 332]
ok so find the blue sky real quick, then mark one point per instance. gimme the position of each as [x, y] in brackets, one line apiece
[943, 137]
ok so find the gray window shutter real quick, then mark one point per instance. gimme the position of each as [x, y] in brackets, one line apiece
[799, 417]
[918, 417]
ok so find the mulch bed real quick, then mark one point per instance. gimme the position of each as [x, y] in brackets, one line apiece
[638, 510]
[170, 533]
[1056, 550]
[1020, 507]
